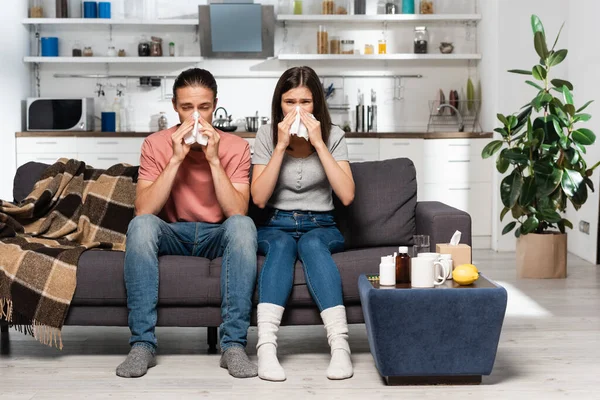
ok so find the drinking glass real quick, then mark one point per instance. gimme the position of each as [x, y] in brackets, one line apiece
[421, 244]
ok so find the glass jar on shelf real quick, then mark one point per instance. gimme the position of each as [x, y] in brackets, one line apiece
[36, 9]
[327, 7]
[343, 7]
[426, 7]
[144, 47]
[421, 40]
[76, 52]
[87, 52]
[334, 45]
[382, 46]
[297, 7]
[322, 40]
[369, 49]
[347, 46]
[392, 7]
[172, 49]
[111, 52]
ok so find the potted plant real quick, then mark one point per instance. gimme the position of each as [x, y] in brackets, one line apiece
[544, 151]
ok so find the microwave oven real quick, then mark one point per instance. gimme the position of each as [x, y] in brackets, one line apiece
[52, 114]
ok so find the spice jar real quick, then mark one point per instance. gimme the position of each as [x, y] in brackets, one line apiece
[334, 45]
[343, 7]
[382, 46]
[369, 49]
[172, 49]
[421, 40]
[36, 10]
[327, 7]
[426, 7]
[111, 52]
[87, 51]
[77, 50]
[121, 53]
[322, 40]
[144, 47]
[156, 47]
[347, 46]
[297, 7]
[391, 8]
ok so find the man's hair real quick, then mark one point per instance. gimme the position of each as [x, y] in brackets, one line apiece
[195, 77]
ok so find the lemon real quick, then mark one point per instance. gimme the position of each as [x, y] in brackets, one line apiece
[465, 274]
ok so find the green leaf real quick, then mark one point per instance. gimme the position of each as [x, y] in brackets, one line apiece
[568, 223]
[589, 183]
[557, 58]
[559, 83]
[539, 73]
[516, 156]
[510, 189]
[570, 109]
[528, 191]
[505, 210]
[502, 163]
[584, 137]
[557, 36]
[547, 178]
[502, 119]
[574, 187]
[470, 94]
[518, 232]
[541, 48]
[585, 106]
[491, 148]
[501, 131]
[568, 95]
[536, 25]
[561, 226]
[572, 156]
[509, 227]
[582, 117]
[513, 121]
[535, 85]
[530, 224]
[519, 71]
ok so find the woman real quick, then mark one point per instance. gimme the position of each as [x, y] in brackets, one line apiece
[294, 178]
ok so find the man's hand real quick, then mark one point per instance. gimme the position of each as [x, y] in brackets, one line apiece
[180, 148]
[211, 150]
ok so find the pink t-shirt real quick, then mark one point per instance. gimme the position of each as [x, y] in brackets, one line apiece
[193, 197]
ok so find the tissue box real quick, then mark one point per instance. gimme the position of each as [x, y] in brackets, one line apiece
[461, 253]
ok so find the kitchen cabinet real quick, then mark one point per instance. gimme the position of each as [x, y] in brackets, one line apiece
[360, 149]
[409, 148]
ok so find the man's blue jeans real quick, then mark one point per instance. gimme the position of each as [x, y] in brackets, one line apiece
[311, 237]
[149, 237]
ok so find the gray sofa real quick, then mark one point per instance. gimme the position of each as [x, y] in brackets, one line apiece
[384, 215]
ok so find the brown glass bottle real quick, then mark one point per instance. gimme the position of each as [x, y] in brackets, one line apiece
[403, 265]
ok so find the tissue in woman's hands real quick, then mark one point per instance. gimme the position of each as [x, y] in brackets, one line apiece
[195, 135]
[298, 127]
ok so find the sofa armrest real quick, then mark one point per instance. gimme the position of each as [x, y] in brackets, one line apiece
[440, 221]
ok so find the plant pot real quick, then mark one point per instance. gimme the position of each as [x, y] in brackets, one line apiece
[542, 255]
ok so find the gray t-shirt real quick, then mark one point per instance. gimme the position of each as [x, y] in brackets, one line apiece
[302, 183]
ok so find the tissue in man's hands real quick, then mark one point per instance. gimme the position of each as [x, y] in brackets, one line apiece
[195, 135]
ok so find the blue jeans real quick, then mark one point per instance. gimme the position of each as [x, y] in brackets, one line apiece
[149, 237]
[311, 237]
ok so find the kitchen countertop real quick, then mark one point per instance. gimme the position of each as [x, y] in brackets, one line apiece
[375, 135]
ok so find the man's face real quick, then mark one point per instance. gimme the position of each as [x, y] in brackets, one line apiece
[195, 98]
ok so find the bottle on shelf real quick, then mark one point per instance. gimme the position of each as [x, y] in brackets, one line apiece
[426, 7]
[408, 6]
[297, 7]
[382, 46]
[322, 40]
[36, 9]
[77, 52]
[403, 265]
[421, 40]
[162, 121]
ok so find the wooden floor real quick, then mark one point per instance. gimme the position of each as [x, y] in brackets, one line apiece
[549, 349]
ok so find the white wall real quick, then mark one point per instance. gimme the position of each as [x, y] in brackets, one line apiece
[507, 43]
[584, 64]
[14, 81]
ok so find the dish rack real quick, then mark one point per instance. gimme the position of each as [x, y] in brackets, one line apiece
[447, 120]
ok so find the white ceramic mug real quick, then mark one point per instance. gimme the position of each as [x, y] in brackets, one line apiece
[423, 272]
[435, 257]
[447, 259]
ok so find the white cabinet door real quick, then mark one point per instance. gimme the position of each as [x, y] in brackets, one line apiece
[46, 158]
[33, 145]
[109, 145]
[362, 149]
[103, 161]
[454, 147]
[405, 148]
[474, 198]
[458, 168]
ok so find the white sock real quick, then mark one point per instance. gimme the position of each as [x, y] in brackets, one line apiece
[268, 321]
[340, 366]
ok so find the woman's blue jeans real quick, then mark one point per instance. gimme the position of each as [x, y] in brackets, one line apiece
[309, 236]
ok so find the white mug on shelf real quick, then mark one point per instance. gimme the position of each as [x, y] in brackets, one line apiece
[427, 272]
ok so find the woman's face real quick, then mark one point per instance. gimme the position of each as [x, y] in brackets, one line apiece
[300, 96]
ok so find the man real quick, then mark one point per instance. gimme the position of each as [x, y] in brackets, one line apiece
[192, 200]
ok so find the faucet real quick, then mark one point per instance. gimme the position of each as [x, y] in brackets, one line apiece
[461, 125]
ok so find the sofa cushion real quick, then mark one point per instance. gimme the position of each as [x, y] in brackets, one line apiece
[25, 178]
[383, 211]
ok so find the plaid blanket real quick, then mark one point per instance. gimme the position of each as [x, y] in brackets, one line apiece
[72, 208]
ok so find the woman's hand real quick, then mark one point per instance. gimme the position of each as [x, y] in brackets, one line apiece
[314, 129]
[283, 130]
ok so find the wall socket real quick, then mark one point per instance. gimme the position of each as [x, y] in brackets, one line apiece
[584, 227]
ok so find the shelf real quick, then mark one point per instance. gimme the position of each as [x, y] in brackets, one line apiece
[376, 57]
[114, 60]
[381, 18]
[108, 21]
